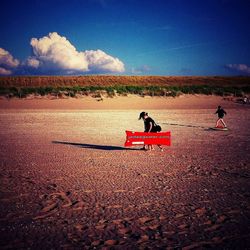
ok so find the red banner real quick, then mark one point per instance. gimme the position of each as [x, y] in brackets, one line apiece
[145, 138]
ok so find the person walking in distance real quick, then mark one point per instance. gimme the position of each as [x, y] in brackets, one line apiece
[221, 112]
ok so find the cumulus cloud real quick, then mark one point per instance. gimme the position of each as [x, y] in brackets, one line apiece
[7, 62]
[55, 54]
[243, 68]
[100, 61]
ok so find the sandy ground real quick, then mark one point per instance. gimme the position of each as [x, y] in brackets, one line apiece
[118, 102]
[67, 182]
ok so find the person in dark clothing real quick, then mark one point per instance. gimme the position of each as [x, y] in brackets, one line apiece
[149, 126]
[221, 112]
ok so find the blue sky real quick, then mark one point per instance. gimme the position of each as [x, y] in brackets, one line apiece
[128, 37]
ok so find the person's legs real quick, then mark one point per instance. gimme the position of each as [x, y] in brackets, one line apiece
[217, 123]
[222, 121]
[146, 147]
[160, 147]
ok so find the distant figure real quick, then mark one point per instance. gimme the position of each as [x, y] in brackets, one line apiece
[221, 112]
[149, 126]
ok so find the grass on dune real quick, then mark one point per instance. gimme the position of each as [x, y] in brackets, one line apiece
[110, 81]
[98, 86]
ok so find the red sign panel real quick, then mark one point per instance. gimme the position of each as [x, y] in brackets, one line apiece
[145, 138]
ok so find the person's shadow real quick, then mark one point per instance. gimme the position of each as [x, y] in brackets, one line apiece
[184, 125]
[93, 146]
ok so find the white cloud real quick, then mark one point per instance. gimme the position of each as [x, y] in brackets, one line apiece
[32, 62]
[243, 68]
[5, 72]
[100, 61]
[7, 59]
[55, 53]
[7, 62]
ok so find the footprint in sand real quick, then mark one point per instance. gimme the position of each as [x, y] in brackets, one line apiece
[78, 205]
[49, 207]
[53, 203]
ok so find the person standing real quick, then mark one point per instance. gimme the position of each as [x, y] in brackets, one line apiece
[221, 112]
[149, 126]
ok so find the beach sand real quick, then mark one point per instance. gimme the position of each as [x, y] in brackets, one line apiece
[67, 182]
[118, 102]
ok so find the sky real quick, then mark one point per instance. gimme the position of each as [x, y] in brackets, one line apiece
[125, 37]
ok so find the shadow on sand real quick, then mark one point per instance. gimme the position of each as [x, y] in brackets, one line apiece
[184, 125]
[93, 146]
[211, 129]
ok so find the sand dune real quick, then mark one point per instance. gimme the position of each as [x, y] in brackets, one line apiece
[109, 80]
